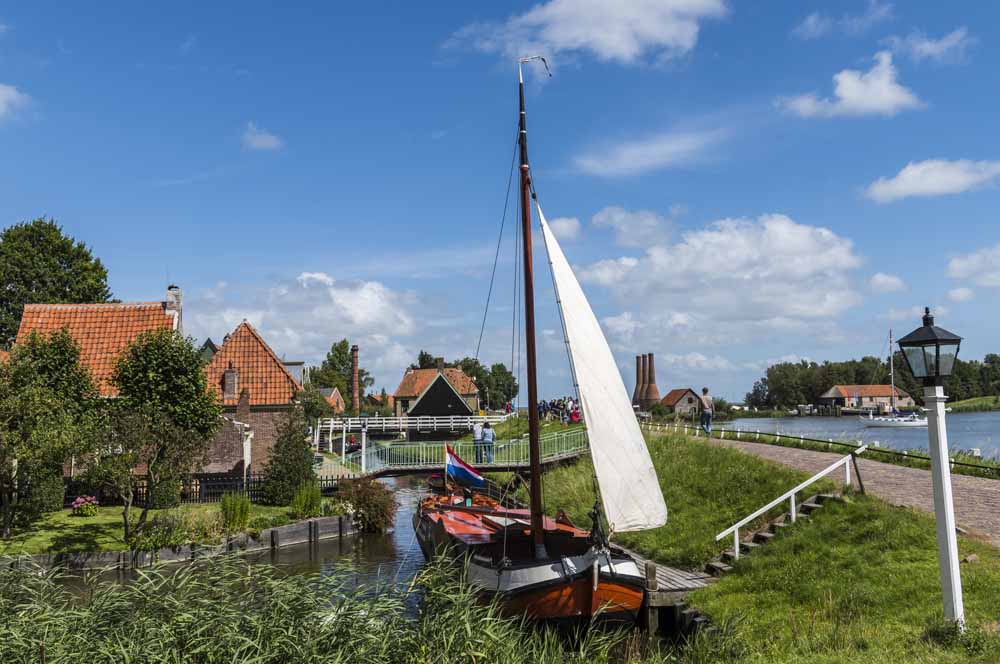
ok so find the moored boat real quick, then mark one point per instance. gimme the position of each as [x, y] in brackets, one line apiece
[894, 419]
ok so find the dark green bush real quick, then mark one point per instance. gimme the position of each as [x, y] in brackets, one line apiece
[163, 531]
[307, 502]
[235, 509]
[372, 503]
[46, 491]
[289, 465]
[166, 494]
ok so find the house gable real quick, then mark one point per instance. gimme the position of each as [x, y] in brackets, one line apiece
[257, 368]
[439, 399]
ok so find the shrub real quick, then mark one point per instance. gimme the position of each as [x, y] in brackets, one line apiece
[235, 509]
[166, 494]
[85, 506]
[307, 502]
[165, 530]
[203, 527]
[289, 464]
[332, 507]
[45, 491]
[373, 504]
[262, 522]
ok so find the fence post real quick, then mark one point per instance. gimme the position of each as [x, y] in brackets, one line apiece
[736, 543]
[847, 471]
[793, 511]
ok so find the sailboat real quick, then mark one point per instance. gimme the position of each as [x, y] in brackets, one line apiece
[547, 567]
[893, 419]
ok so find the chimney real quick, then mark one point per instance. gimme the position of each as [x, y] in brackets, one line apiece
[355, 388]
[652, 392]
[173, 303]
[439, 361]
[230, 383]
[638, 380]
[643, 380]
[243, 407]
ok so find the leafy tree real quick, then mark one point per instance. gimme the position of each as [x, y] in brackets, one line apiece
[38, 263]
[289, 465]
[47, 400]
[164, 419]
[424, 361]
[314, 404]
[496, 384]
[335, 371]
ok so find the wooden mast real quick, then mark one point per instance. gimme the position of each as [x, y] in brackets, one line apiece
[537, 522]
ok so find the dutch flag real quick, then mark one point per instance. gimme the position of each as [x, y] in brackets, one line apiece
[461, 471]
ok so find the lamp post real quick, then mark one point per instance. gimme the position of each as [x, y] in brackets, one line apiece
[930, 353]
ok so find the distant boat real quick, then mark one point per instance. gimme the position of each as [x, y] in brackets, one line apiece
[542, 567]
[894, 419]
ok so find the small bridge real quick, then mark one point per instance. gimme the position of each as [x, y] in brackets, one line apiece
[327, 430]
[402, 458]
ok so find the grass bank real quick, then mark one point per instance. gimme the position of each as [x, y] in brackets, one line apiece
[62, 532]
[975, 404]
[858, 583]
[707, 489]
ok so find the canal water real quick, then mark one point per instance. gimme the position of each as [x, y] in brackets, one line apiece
[966, 431]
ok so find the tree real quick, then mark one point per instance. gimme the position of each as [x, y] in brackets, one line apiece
[38, 263]
[289, 464]
[335, 371]
[424, 361]
[164, 419]
[47, 400]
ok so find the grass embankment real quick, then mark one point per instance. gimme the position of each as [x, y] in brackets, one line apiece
[62, 532]
[857, 583]
[706, 488]
[975, 405]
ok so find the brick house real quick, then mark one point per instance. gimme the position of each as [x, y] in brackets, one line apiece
[244, 366]
[682, 401]
[867, 397]
[440, 392]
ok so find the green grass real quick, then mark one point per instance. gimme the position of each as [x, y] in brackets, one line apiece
[706, 488]
[975, 404]
[62, 532]
[857, 583]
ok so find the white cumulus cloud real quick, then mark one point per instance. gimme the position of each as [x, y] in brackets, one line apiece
[11, 99]
[915, 313]
[950, 48]
[257, 138]
[981, 267]
[609, 30]
[961, 294]
[934, 177]
[663, 150]
[818, 24]
[886, 283]
[639, 228]
[565, 228]
[874, 92]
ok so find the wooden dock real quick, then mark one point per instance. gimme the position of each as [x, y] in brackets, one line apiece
[666, 590]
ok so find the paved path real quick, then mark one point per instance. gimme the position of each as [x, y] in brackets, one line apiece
[977, 499]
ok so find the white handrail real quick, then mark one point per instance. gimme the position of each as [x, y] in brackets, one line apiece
[789, 495]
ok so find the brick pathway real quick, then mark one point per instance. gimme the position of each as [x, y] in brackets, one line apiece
[977, 499]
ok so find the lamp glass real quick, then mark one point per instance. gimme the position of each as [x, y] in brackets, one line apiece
[915, 358]
[946, 359]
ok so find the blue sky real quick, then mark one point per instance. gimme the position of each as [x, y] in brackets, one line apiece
[735, 183]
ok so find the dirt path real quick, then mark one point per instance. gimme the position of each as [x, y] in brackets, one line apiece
[977, 499]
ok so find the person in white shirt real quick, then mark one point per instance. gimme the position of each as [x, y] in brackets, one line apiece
[477, 441]
[707, 410]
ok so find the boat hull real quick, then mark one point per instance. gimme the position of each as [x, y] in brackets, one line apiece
[892, 422]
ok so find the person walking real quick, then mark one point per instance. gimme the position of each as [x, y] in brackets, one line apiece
[477, 440]
[707, 410]
[489, 436]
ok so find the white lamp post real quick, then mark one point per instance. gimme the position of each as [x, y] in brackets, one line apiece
[930, 352]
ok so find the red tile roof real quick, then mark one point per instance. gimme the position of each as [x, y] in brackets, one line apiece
[867, 391]
[415, 381]
[260, 370]
[673, 396]
[102, 330]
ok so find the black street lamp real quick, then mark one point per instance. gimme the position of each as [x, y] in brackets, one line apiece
[930, 352]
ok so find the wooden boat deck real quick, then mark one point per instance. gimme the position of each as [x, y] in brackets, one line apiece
[672, 584]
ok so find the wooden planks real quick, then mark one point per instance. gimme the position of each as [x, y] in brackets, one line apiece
[672, 580]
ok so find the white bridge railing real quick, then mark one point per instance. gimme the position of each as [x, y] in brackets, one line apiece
[430, 454]
[790, 496]
[332, 426]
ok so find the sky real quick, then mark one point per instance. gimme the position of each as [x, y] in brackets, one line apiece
[735, 183]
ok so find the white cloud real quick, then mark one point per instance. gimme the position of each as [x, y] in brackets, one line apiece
[982, 267]
[256, 138]
[565, 228]
[886, 283]
[696, 360]
[875, 92]
[934, 177]
[640, 228]
[961, 294]
[951, 48]
[634, 157]
[915, 313]
[610, 30]
[299, 318]
[11, 99]
[817, 24]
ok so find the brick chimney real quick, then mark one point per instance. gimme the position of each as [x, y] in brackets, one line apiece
[439, 362]
[230, 383]
[638, 380]
[173, 304]
[652, 392]
[243, 407]
[643, 380]
[355, 383]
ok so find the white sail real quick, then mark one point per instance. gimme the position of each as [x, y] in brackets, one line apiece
[630, 489]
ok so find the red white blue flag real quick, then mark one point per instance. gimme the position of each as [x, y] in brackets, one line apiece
[462, 472]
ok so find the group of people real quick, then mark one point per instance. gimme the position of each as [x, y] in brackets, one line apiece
[565, 410]
[483, 437]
